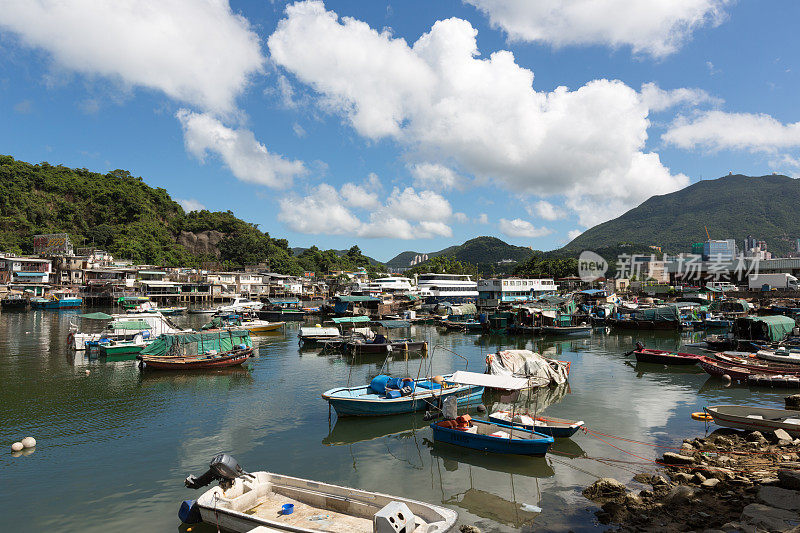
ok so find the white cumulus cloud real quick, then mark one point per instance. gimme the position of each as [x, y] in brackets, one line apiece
[546, 210]
[658, 99]
[198, 52]
[443, 102]
[359, 196]
[483, 218]
[321, 212]
[190, 204]
[718, 130]
[522, 228]
[435, 176]
[248, 159]
[573, 234]
[654, 27]
[425, 205]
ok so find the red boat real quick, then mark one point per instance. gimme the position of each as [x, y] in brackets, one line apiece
[196, 362]
[718, 368]
[757, 365]
[662, 357]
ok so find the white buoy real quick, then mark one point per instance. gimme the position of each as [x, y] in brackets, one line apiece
[88, 372]
[17, 447]
[29, 442]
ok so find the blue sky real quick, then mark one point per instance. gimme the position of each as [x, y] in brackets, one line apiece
[406, 125]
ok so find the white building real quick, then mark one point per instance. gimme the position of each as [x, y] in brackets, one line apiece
[515, 289]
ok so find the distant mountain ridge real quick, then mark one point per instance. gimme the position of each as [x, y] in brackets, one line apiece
[481, 251]
[732, 207]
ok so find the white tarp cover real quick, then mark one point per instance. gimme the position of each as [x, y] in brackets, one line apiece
[488, 380]
[319, 332]
[526, 364]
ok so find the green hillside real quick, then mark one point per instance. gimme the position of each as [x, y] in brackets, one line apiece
[732, 207]
[490, 254]
[341, 253]
[122, 214]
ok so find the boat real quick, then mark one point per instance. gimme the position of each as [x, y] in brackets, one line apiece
[582, 329]
[245, 320]
[120, 348]
[171, 310]
[780, 355]
[749, 376]
[131, 302]
[197, 351]
[264, 501]
[262, 326]
[380, 344]
[539, 371]
[57, 300]
[452, 288]
[117, 327]
[315, 334]
[663, 357]
[202, 311]
[487, 436]
[555, 427]
[756, 418]
[240, 304]
[752, 363]
[16, 302]
[376, 399]
[282, 310]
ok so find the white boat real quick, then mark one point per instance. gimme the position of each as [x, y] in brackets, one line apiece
[246, 501]
[119, 327]
[239, 305]
[453, 288]
[781, 355]
[389, 285]
[756, 418]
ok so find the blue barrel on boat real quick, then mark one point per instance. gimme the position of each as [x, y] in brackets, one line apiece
[189, 513]
[378, 383]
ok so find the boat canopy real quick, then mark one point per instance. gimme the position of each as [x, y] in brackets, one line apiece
[394, 324]
[197, 343]
[665, 313]
[536, 369]
[770, 328]
[352, 299]
[319, 332]
[350, 319]
[136, 325]
[463, 309]
[463, 377]
[96, 316]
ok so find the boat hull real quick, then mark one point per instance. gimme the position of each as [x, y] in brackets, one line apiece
[282, 316]
[661, 357]
[366, 347]
[64, 303]
[733, 416]
[557, 430]
[417, 401]
[196, 363]
[489, 443]
[566, 330]
[126, 349]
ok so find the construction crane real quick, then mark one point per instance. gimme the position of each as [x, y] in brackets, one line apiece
[707, 235]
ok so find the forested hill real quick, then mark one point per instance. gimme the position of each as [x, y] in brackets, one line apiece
[732, 207]
[489, 254]
[120, 213]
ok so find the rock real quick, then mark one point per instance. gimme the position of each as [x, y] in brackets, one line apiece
[29, 442]
[17, 447]
[672, 458]
[699, 478]
[469, 529]
[724, 460]
[683, 477]
[781, 498]
[754, 436]
[642, 477]
[730, 526]
[782, 443]
[779, 434]
[789, 479]
[719, 473]
[792, 402]
[681, 494]
[724, 441]
[656, 481]
[632, 500]
[687, 449]
[769, 518]
[710, 483]
[604, 489]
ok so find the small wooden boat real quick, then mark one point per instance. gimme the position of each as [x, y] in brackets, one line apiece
[196, 362]
[261, 326]
[117, 348]
[57, 300]
[312, 335]
[780, 355]
[202, 311]
[662, 357]
[376, 400]
[755, 364]
[380, 344]
[756, 418]
[583, 329]
[555, 427]
[748, 376]
[488, 436]
[263, 501]
[171, 310]
[15, 301]
[718, 368]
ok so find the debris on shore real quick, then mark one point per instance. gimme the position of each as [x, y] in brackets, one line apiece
[731, 480]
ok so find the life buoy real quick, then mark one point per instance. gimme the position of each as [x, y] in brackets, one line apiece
[702, 417]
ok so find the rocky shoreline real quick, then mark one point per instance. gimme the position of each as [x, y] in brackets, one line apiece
[731, 480]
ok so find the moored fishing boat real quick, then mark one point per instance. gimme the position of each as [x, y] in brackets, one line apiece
[401, 396]
[581, 329]
[756, 418]
[555, 427]
[751, 362]
[380, 344]
[487, 436]
[263, 501]
[57, 300]
[197, 351]
[196, 362]
[662, 357]
[780, 355]
[15, 301]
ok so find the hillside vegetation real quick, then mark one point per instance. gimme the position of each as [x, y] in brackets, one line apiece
[732, 207]
[122, 214]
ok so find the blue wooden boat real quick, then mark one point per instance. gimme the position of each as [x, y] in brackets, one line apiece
[488, 436]
[375, 399]
[555, 427]
[496, 438]
[57, 301]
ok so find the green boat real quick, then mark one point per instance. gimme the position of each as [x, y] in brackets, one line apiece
[121, 350]
[132, 302]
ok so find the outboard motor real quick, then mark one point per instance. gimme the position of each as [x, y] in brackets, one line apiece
[223, 468]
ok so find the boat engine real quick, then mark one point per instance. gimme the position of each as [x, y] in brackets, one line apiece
[223, 468]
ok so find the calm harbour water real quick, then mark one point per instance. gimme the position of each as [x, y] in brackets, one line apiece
[114, 446]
